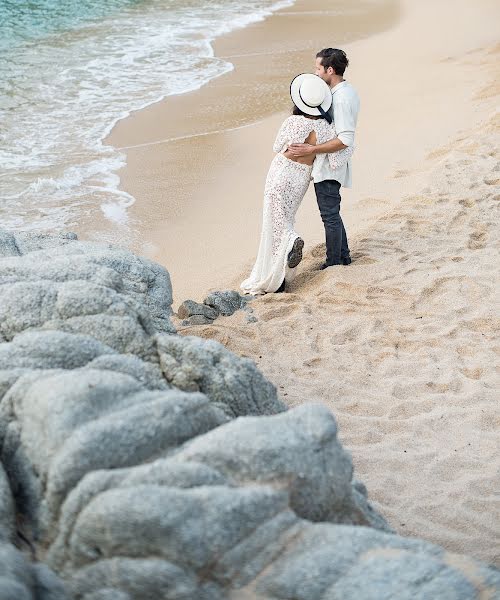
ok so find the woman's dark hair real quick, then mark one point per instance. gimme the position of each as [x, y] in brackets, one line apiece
[296, 111]
[335, 58]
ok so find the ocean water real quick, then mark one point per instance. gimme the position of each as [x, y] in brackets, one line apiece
[69, 69]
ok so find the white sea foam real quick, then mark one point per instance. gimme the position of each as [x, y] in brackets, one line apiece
[63, 94]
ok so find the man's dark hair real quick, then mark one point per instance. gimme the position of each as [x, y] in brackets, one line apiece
[335, 58]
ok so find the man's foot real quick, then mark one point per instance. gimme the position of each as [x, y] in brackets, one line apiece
[295, 254]
[281, 287]
[343, 261]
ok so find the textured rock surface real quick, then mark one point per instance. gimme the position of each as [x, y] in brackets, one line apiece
[19, 579]
[191, 364]
[22, 580]
[6, 508]
[117, 297]
[146, 465]
[218, 303]
[226, 302]
[190, 307]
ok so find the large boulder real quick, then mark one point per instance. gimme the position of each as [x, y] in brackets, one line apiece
[131, 287]
[64, 424]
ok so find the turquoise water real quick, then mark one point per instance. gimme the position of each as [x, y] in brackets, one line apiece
[22, 21]
[69, 70]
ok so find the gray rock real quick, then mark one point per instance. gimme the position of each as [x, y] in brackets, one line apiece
[235, 384]
[338, 562]
[28, 241]
[162, 472]
[404, 575]
[8, 246]
[262, 550]
[189, 308]
[7, 379]
[225, 302]
[297, 450]
[63, 260]
[286, 463]
[7, 525]
[198, 320]
[16, 578]
[134, 578]
[20, 580]
[51, 350]
[105, 594]
[64, 425]
[77, 307]
[47, 585]
[176, 525]
[148, 374]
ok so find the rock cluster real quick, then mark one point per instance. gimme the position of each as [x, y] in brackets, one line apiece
[138, 464]
[220, 303]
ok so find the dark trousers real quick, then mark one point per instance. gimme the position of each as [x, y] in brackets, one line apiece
[328, 197]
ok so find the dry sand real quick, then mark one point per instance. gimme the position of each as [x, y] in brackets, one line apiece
[402, 343]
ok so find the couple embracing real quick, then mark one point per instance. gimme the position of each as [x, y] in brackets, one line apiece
[315, 142]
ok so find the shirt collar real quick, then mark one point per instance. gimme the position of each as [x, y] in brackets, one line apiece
[338, 86]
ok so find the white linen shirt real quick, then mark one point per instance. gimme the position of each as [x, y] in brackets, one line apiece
[345, 108]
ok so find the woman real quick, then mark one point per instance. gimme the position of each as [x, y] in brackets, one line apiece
[280, 249]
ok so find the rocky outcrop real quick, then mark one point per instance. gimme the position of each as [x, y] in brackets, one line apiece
[118, 298]
[220, 303]
[142, 464]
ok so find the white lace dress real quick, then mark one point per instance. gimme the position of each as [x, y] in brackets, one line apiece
[286, 184]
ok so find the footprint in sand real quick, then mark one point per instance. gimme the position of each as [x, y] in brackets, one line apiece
[319, 251]
[312, 362]
[362, 259]
[439, 152]
[372, 202]
[467, 202]
[282, 312]
[458, 220]
[478, 237]
[351, 334]
[472, 373]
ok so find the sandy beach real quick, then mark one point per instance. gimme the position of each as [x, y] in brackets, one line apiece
[402, 344]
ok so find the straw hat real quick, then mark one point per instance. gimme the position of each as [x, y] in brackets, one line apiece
[311, 95]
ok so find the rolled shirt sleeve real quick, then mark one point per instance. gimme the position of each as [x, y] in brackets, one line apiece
[345, 122]
[345, 109]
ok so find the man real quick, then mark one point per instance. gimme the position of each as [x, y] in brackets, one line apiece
[330, 66]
